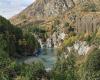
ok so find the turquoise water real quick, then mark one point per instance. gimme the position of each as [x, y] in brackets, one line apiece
[47, 57]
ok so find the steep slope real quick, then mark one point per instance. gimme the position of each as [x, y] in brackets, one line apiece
[76, 12]
[42, 9]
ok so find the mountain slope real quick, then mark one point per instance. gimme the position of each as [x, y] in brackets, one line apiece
[41, 9]
[46, 11]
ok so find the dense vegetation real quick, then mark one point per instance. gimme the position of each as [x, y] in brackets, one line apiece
[13, 40]
[14, 44]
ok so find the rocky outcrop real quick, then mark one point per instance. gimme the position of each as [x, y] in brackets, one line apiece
[80, 47]
[55, 40]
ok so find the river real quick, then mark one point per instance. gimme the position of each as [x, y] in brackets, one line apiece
[48, 57]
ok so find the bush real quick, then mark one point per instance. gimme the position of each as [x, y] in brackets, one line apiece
[33, 72]
[66, 24]
[70, 41]
[89, 7]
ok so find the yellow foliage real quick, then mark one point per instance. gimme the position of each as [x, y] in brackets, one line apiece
[20, 78]
[70, 41]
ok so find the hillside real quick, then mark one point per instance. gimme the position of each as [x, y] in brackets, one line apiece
[42, 9]
[13, 37]
[59, 18]
[46, 11]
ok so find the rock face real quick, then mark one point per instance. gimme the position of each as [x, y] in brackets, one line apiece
[55, 40]
[57, 7]
[81, 47]
[41, 9]
[88, 23]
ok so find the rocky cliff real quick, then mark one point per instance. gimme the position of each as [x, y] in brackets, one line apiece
[89, 22]
[42, 9]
